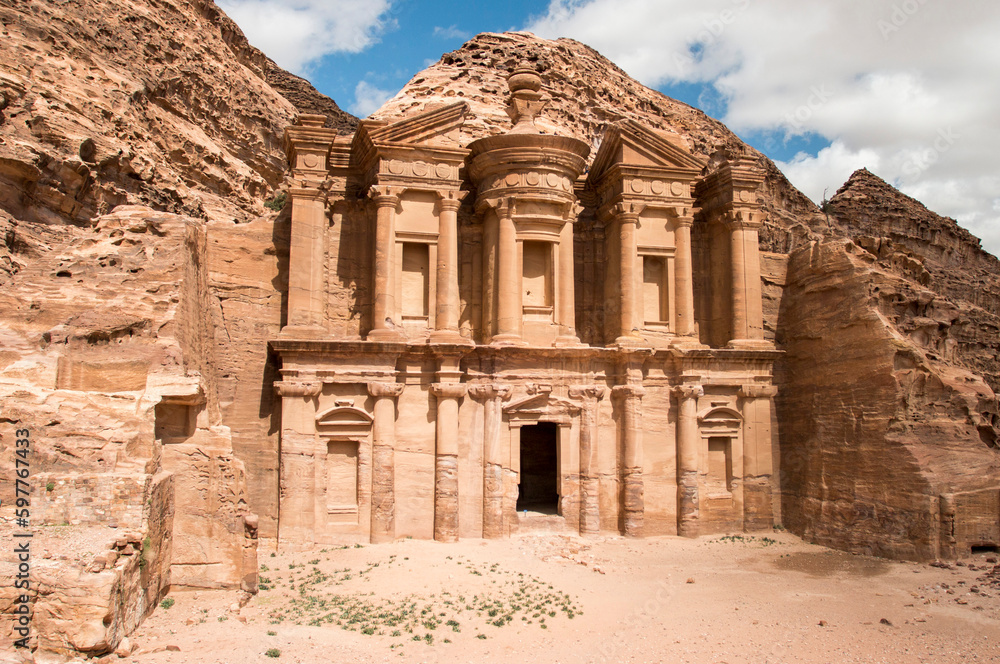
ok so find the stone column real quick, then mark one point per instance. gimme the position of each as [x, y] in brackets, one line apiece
[590, 486]
[383, 523]
[384, 315]
[688, 447]
[566, 310]
[297, 490]
[492, 397]
[628, 219]
[748, 318]
[758, 509]
[446, 461]
[306, 252]
[509, 312]
[632, 490]
[446, 307]
[683, 277]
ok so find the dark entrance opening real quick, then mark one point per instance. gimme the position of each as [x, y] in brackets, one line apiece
[538, 490]
[985, 548]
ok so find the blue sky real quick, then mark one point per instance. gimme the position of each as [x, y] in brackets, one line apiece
[906, 88]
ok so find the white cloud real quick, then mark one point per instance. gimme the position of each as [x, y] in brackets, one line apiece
[451, 32]
[368, 99]
[883, 80]
[297, 33]
[827, 170]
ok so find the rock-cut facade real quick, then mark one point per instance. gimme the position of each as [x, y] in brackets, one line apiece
[508, 335]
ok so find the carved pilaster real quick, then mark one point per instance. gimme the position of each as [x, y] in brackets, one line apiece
[590, 516]
[758, 464]
[683, 272]
[627, 217]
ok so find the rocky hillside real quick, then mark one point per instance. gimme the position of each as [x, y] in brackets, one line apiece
[157, 103]
[937, 254]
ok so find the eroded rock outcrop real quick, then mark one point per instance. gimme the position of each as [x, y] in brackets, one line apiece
[110, 366]
[886, 448]
[161, 104]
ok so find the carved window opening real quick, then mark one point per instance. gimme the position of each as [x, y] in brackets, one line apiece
[415, 281]
[536, 277]
[538, 488]
[342, 477]
[654, 290]
[720, 464]
[342, 430]
[174, 421]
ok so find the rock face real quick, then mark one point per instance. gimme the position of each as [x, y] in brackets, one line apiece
[138, 289]
[163, 104]
[891, 449]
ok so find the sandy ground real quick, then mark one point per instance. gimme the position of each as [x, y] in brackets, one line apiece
[548, 598]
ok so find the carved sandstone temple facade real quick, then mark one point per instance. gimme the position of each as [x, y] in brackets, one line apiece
[489, 337]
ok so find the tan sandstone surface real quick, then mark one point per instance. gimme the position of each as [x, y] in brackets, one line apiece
[141, 278]
[709, 600]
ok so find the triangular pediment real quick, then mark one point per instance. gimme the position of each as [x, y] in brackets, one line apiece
[436, 126]
[628, 143]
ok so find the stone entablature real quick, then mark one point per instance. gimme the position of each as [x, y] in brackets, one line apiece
[465, 402]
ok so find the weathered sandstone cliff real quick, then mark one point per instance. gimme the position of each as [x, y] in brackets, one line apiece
[138, 286]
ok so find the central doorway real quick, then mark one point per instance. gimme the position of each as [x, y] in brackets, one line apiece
[538, 490]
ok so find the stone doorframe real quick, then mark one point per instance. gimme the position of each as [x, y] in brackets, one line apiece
[540, 405]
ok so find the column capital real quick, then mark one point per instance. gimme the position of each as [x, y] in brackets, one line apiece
[385, 389]
[628, 391]
[485, 391]
[758, 391]
[689, 391]
[384, 195]
[298, 388]
[449, 390]
[742, 219]
[587, 392]
[503, 205]
[627, 212]
[450, 199]
[683, 215]
[308, 193]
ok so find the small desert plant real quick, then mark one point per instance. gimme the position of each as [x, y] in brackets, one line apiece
[276, 204]
[167, 603]
[273, 652]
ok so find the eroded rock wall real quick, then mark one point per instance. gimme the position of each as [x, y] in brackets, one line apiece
[874, 427]
[111, 369]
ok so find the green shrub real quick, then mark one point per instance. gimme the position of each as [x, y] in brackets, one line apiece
[276, 204]
[167, 603]
[273, 652]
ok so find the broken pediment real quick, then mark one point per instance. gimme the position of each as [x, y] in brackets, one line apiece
[542, 406]
[437, 126]
[419, 150]
[630, 144]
